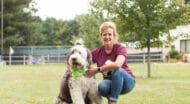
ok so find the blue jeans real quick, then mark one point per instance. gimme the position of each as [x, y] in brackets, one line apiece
[120, 83]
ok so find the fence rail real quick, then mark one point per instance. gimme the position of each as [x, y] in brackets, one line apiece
[131, 58]
[159, 57]
[35, 59]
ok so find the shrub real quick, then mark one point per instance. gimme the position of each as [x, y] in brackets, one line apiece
[174, 54]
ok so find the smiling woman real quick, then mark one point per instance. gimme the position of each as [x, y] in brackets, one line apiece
[61, 9]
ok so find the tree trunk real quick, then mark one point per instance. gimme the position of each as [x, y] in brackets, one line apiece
[148, 64]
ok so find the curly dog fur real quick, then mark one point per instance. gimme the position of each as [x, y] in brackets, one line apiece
[80, 89]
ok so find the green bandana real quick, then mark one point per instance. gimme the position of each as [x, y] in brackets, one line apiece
[78, 72]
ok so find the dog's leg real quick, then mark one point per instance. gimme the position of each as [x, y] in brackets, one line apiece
[94, 95]
[59, 101]
[76, 92]
[64, 94]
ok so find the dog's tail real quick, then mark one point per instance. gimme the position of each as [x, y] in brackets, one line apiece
[79, 41]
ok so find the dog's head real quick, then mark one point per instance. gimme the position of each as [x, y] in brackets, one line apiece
[79, 57]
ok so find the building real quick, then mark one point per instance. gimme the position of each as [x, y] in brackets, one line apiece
[182, 42]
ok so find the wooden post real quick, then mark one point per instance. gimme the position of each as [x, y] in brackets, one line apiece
[24, 59]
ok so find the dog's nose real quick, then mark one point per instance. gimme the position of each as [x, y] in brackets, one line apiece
[74, 59]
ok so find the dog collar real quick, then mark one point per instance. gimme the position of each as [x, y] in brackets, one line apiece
[77, 72]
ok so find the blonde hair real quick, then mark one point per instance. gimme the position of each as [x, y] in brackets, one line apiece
[111, 25]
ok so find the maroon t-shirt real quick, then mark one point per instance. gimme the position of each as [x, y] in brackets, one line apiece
[99, 56]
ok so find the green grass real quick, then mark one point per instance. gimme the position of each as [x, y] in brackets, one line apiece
[39, 84]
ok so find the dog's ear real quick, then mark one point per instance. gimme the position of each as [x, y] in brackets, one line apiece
[89, 58]
[67, 56]
[79, 41]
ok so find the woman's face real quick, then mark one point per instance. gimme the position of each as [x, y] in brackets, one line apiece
[107, 36]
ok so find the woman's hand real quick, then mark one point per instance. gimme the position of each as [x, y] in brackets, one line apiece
[91, 72]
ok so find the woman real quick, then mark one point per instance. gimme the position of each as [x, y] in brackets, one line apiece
[111, 61]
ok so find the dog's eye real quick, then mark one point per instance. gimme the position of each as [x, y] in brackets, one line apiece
[79, 52]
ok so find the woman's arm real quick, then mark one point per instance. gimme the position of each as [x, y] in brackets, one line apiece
[114, 65]
[109, 67]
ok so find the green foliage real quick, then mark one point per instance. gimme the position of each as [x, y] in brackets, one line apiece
[89, 29]
[142, 20]
[18, 22]
[52, 29]
[173, 53]
[71, 29]
[58, 32]
[22, 28]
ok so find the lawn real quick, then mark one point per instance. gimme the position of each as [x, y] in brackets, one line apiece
[39, 84]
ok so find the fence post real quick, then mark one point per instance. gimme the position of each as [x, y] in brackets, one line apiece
[144, 58]
[24, 59]
[59, 58]
[10, 59]
[162, 57]
[43, 59]
[48, 58]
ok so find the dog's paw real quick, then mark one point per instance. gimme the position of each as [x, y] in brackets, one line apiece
[59, 101]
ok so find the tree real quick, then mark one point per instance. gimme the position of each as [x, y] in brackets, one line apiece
[18, 19]
[71, 30]
[144, 21]
[50, 26]
[89, 26]
[58, 32]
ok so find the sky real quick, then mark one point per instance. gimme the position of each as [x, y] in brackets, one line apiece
[62, 9]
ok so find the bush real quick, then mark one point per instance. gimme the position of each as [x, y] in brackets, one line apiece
[174, 54]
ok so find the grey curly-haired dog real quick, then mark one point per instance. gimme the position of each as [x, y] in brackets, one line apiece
[75, 87]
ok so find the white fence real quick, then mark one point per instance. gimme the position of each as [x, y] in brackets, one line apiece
[158, 57]
[35, 60]
[131, 58]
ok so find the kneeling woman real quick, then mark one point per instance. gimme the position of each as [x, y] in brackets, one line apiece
[112, 63]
